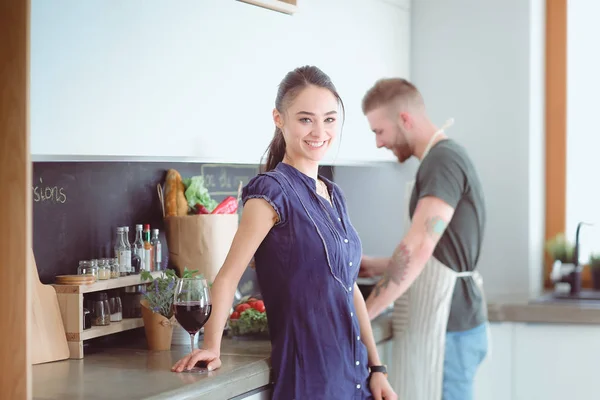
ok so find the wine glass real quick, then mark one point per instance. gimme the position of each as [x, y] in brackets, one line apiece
[192, 307]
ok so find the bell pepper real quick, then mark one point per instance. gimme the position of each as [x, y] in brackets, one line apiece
[227, 206]
[200, 209]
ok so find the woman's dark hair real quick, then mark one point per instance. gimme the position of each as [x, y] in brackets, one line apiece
[289, 88]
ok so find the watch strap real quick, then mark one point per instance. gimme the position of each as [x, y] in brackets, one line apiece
[378, 368]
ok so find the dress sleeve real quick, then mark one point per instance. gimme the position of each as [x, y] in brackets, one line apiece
[268, 188]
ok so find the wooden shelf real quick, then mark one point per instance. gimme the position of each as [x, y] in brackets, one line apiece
[70, 301]
[106, 284]
[114, 327]
[284, 6]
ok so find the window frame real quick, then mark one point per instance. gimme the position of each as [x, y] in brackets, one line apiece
[556, 130]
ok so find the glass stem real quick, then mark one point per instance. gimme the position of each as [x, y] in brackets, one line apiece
[192, 341]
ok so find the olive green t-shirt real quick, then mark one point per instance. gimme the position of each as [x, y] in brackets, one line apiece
[448, 174]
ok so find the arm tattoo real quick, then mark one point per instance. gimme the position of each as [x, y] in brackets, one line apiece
[435, 227]
[396, 271]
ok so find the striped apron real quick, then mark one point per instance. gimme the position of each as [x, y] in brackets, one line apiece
[419, 322]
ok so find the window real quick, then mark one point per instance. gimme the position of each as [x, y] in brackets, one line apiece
[571, 137]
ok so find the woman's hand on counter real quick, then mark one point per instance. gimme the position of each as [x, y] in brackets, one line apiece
[210, 359]
[381, 388]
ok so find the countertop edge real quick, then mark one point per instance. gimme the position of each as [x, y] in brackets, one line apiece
[550, 312]
[248, 378]
[254, 375]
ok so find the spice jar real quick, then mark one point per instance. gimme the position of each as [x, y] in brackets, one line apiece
[116, 307]
[114, 268]
[86, 268]
[101, 310]
[103, 269]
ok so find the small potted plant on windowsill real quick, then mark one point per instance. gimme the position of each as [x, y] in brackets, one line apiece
[594, 264]
[560, 251]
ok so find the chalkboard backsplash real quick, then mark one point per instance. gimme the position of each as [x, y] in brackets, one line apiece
[77, 206]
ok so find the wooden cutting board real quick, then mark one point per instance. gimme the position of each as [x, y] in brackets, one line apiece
[47, 339]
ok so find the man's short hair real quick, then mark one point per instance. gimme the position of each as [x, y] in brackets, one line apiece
[389, 90]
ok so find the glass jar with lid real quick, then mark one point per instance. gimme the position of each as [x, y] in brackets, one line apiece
[103, 269]
[86, 268]
[101, 314]
[115, 306]
[114, 268]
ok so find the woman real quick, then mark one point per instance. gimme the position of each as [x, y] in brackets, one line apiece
[307, 254]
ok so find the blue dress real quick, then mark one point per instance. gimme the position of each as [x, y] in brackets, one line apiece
[306, 268]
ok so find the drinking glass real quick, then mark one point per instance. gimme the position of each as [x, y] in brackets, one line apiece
[192, 307]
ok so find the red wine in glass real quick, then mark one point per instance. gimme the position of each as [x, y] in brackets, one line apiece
[192, 315]
[192, 307]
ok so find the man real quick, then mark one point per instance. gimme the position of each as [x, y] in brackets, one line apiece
[440, 316]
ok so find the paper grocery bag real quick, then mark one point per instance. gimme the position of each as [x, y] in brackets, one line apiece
[200, 242]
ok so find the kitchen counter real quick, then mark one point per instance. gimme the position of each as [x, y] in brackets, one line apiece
[128, 373]
[543, 309]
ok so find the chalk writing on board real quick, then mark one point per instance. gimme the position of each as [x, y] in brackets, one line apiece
[53, 194]
[209, 181]
[225, 180]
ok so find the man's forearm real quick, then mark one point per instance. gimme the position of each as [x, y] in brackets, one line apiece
[366, 331]
[404, 267]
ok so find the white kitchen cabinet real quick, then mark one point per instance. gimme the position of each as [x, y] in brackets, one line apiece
[197, 80]
[494, 378]
[556, 362]
[540, 361]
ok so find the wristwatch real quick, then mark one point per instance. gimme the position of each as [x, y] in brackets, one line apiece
[379, 368]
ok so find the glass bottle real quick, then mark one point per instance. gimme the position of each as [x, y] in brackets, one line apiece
[122, 254]
[128, 268]
[156, 249]
[148, 254]
[138, 249]
[118, 241]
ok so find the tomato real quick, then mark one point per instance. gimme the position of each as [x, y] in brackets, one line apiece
[251, 299]
[242, 307]
[259, 306]
[234, 315]
[251, 303]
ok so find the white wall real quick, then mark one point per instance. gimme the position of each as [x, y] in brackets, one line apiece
[194, 77]
[481, 63]
[375, 198]
[583, 138]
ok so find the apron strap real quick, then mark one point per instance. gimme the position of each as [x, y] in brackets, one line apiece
[466, 274]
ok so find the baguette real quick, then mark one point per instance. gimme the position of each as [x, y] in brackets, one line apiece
[175, 201]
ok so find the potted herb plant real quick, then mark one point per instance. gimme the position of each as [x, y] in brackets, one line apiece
[561, 252]
[560, 249]
[157, 307]
[594, 264]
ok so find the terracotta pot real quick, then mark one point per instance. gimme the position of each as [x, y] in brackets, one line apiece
[159, 329]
